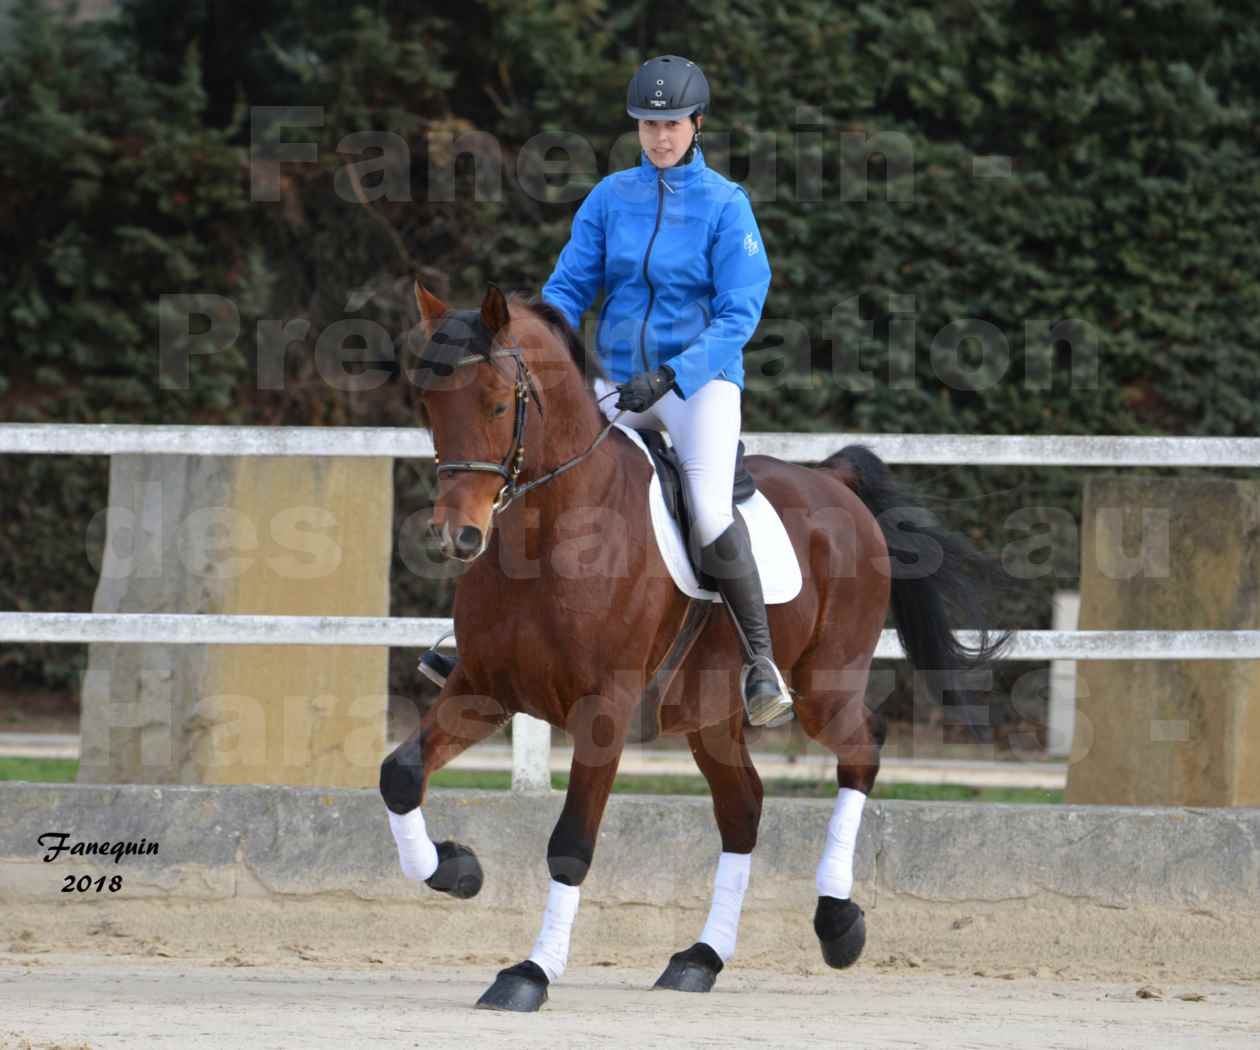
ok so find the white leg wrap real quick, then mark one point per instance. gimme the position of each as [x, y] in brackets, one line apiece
[835, 871]
[416, 854]
[729, 885]
[551, 950]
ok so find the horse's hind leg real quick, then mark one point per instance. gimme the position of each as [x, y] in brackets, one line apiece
[722, 755]
[456, 721]
[833, 712]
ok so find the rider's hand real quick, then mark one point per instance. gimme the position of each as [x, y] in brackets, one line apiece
[645, 389]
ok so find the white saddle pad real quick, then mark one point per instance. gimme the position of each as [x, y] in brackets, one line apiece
[772, 548]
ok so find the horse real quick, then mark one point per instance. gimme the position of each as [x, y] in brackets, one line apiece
[566, 619]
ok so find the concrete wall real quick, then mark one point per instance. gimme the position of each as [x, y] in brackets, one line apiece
[278, 535]
[654, 853]
[1168, 554]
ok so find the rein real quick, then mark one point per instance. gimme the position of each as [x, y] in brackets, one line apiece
[509, 468]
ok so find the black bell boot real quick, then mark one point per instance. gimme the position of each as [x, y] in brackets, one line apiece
[729, 561]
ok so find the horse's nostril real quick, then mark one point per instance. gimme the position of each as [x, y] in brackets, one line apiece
[468, 541]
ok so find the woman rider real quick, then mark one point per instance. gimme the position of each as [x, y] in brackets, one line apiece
[678, 253]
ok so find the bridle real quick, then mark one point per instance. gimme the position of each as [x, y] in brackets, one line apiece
[509, 468]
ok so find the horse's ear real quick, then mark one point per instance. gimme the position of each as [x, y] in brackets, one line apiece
[432, 309]
[494, 310]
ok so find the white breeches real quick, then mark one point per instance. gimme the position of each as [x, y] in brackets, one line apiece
[704, 430]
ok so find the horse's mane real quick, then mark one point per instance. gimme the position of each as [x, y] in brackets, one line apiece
[587, 364]
[437, 353]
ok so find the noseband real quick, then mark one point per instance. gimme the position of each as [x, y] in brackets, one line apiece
[509, 468]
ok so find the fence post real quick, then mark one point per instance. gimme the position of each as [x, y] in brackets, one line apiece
[531, 754]
[1164, 554]
[1061, 712]
[294, 536]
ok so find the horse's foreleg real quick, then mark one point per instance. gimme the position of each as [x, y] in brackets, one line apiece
[597, 744]
[456, 721]
[722, 755]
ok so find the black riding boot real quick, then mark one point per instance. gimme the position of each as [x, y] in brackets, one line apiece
[729, 560]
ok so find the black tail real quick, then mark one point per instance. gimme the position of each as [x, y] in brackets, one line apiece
[938, 579]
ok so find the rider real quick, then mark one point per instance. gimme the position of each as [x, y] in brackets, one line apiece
[678, 253]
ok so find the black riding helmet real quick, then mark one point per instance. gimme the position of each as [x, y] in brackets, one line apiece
[667, 88]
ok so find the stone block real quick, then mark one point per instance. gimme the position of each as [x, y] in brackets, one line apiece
[1168, 554]
[250, 535]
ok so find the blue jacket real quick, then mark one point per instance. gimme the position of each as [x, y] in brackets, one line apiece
[680, 258]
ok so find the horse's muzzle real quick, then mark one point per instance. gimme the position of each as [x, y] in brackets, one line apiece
[465, 545]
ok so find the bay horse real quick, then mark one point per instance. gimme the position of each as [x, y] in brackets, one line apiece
[566, 619]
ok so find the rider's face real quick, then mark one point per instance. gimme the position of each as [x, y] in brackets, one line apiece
[665, 141]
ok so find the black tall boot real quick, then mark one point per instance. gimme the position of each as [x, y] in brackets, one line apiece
[729, 560]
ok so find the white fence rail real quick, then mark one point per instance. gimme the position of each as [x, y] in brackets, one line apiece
[423, 632]
[532, 741]
[413, 443]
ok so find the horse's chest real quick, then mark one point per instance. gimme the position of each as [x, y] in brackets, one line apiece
[541, 660]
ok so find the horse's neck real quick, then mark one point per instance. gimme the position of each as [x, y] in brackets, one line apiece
[570, 425]
[571, 428]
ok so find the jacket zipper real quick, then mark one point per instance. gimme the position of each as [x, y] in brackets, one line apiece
[660, 209]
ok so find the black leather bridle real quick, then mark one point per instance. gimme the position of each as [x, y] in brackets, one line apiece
[509, 468]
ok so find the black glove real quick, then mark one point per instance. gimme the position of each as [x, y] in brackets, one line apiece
[645, 389]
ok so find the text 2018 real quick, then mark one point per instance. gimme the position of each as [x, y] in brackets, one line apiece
[84, 883]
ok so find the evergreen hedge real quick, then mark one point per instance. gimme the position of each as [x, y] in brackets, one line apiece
[962, 203]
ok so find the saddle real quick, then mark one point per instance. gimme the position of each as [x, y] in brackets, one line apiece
[674, 491]
[672, 528]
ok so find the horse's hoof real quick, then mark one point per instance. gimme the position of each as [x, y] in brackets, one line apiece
[694, 970]
[841, 931]
[458, 871]
[521, 988]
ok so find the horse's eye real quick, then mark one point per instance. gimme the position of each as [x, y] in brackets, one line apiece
[498, 410]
